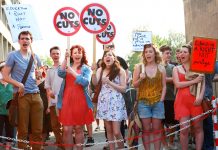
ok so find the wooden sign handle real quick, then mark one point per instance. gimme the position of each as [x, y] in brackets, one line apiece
[198, 89]
[94, 48]
[68, 49]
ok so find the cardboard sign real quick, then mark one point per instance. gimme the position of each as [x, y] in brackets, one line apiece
[140, 38]
[94, 18]
[203, 55]
[107, 35]
[66, 21]
[21, 18]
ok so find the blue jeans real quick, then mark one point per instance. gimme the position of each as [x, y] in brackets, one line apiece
[208, 134]
[151, 111]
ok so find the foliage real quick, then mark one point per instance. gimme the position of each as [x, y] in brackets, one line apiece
[132, 59]
[158, 41]
[46, 60]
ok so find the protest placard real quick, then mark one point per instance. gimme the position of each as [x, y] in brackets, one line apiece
[21, 18]
[107, 35]
[203, 56]
[94, 18]
[140, 38]
[66, 21]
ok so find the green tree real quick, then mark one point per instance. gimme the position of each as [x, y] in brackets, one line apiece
[175, 41]
[159, 41]
[132, 59]
[46, 60]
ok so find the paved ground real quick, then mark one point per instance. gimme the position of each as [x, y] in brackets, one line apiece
[99, 138]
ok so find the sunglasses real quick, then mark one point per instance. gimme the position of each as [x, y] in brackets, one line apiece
[109, 46]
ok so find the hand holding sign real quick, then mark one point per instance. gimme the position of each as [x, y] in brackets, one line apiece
[203, 55]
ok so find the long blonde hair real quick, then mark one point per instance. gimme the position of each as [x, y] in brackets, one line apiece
[157, 55]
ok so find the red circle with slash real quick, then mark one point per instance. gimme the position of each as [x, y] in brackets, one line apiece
[94, 18]
[107, 35]
[66, 21]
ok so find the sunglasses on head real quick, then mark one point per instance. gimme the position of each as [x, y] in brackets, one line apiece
[110, 46]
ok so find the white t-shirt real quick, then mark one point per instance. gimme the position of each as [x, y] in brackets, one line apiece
[53, 82]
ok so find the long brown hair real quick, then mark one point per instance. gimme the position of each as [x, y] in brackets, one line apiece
[157, 55]
[114, 69]
[80, 49]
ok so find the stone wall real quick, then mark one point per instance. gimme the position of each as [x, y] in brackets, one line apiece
[201, 19]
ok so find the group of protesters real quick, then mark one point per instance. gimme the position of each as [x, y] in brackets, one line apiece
[163, 98]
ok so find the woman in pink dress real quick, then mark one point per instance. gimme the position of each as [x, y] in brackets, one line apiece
[76, 110]
[187, 105]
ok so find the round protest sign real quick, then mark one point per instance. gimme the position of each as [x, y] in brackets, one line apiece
[66, 21]
[107, 35]
[94, 18]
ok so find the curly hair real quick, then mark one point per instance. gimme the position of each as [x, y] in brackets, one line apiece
[157, 55]
[114, 69]
[80, 49]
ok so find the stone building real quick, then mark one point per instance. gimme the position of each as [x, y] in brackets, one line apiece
[6, 44]
[201, 19]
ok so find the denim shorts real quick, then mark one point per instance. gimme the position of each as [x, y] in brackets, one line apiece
[151, 111]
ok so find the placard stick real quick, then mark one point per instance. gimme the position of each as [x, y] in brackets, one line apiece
[34, 60]
[94, 48]
[68, 49]
[198, 89]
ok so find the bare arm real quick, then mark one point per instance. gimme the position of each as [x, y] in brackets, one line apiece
[163, 83]
[199, 99]
[169, 80]
[215, 79]
[96, 76]
[136, 76]
[127, 75]
[182, 84]
[6, 76]
[119, 87]
[72, 72]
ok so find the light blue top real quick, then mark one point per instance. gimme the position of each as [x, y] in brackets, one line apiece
[18, 66]
[83, 79]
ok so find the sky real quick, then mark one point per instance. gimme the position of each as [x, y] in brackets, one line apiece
[158, 16]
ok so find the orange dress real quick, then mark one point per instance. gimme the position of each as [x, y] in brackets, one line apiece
[75, 110]
[184, 103]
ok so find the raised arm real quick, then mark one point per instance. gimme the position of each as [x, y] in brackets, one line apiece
[119, 87]
[163, 71]
[137, 76]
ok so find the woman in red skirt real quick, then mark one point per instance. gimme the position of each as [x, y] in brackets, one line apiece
[186, 104]
[76, 110]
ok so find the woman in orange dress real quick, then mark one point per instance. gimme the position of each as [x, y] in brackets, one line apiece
[76, 110]
[187, 105]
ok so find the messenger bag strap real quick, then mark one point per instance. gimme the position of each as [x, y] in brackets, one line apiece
[26, 74]
[27, 70]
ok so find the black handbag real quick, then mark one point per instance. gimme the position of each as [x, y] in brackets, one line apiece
[12, 105]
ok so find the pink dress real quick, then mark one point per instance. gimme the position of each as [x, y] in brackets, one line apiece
[184, 103]
[75, 110]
